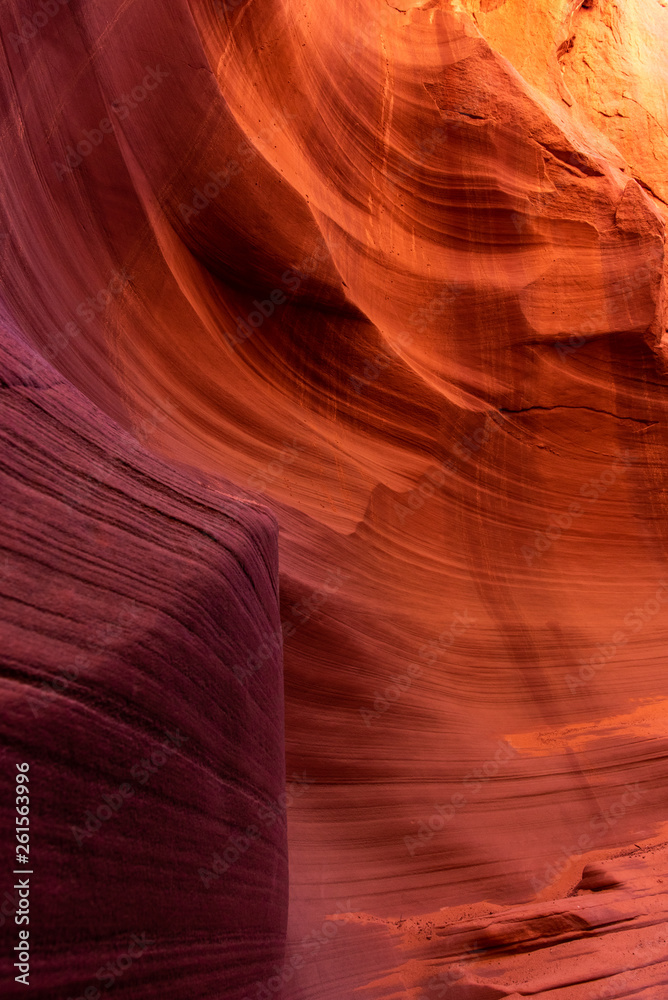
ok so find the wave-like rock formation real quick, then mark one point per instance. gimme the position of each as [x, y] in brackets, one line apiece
[128, 593]
[395, 272]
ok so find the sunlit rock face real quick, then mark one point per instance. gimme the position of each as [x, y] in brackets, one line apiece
[396, 272]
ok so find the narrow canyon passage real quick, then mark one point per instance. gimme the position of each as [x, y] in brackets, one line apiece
[372, 298]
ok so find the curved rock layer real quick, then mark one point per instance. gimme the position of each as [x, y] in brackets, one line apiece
[397, 273]
[128, 593]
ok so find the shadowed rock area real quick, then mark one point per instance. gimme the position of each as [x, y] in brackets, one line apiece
[129, 591]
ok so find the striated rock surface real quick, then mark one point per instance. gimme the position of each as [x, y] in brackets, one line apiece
[128, 594]
[396, 272]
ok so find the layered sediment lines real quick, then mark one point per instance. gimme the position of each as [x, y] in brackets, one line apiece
[398, 275]
[128, 593]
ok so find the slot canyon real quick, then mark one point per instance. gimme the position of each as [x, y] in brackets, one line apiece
[334, 482]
